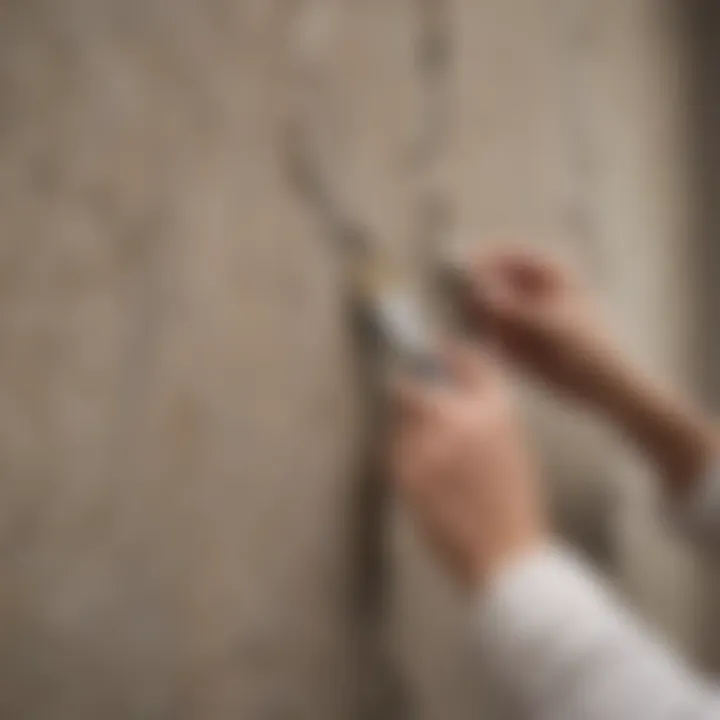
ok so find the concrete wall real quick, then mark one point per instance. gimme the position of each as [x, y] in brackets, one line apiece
[177, 413]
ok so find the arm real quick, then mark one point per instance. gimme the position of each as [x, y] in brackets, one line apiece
[556, 641]
[674, 435]
[682, 444]
[544, 320]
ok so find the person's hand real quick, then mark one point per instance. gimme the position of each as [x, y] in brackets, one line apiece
[541, 317]
[461, 461]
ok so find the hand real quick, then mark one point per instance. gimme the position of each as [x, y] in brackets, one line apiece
[541, 317]
[461, 461]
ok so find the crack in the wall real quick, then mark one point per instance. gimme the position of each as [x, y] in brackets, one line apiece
[577, 23]
[433, 209]
[322, 176]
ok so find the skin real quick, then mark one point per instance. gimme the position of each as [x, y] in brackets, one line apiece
[460, 454]
[463, 466]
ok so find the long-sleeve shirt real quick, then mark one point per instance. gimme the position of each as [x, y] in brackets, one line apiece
[560, 646]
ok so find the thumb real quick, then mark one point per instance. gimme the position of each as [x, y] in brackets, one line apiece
[467, 365]
[495, 298]
[412, 398]
[500, 303]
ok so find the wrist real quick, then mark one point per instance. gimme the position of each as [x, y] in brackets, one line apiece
[490, 565]
[676, 436]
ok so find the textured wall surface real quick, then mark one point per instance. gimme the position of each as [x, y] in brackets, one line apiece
[177, 416]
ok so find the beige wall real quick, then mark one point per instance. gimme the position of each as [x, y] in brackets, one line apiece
[176, 406]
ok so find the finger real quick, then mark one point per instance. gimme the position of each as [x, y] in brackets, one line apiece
[521, 272]
[490, 289]
[507, 299]
[530, 259]
[493, 295]
[416, 453]
[466, 364]
[415, 399]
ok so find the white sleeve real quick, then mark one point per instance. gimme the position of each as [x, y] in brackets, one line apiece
[560, 647]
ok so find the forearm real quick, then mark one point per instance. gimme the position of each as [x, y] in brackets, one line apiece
[678, 438]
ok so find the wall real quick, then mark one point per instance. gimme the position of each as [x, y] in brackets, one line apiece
[177, 412]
